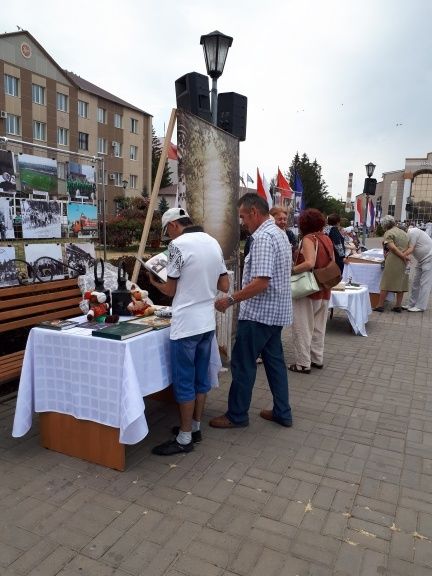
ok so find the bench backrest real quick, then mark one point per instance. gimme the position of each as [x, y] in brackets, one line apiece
[28, 305]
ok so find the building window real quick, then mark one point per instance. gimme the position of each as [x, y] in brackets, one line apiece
[83, 141]
[11, 85]
[61, 170]
[133, 181]
[117, 149]
[421, 198]
[38, 94]
[105, 176]
[63, 136]
[39, 131]
[116, 178]
[102, 146]
[62, 102]
[118, 120]
[82, 109]
[13, 125]
[101, 115]
[133, 152]
[134, 125]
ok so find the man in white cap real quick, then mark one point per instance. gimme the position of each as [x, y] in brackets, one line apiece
[195, 270]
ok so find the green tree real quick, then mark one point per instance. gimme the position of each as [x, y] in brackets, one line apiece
[315, 193]
[156, 154]
[163, 205]
[314, 186]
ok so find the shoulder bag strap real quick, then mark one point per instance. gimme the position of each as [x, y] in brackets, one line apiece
[299, 250]
[326, 249]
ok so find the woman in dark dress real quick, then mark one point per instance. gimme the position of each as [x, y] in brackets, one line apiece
[338, 240]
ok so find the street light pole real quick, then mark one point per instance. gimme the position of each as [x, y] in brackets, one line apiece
[369, 171]
[215, 46]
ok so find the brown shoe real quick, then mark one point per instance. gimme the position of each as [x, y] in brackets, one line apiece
[268, 415]
[223, 422]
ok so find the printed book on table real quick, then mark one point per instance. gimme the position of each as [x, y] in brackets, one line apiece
[154, 322]
[58, 324]
[121, 331]
[157, 265]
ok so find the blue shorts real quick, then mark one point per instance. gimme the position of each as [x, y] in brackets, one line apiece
[190, 358]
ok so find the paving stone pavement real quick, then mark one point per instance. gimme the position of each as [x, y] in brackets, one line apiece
[346, 491]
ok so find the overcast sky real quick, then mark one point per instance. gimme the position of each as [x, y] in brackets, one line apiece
[346, 81]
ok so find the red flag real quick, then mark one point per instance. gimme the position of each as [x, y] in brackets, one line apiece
[283, 186]
[261, 191]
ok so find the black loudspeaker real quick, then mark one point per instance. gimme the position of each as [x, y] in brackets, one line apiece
[192, 94]
[369, 186]
[232, 114]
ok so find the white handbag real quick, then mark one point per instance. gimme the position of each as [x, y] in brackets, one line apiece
[305, 283]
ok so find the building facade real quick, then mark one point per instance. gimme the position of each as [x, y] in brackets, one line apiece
[407, 194]
[51, 108]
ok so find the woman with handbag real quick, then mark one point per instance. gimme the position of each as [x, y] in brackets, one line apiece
[310, 312]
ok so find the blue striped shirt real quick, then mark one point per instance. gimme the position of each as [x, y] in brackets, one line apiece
[270, 256]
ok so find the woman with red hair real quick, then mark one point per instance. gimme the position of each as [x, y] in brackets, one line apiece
[310, 312]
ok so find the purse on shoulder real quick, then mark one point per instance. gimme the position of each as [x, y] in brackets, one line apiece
[330, 275]
[305, 283]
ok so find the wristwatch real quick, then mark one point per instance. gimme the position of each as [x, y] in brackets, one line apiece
[231, 300]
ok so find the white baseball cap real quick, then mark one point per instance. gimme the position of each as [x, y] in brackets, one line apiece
[172, 215]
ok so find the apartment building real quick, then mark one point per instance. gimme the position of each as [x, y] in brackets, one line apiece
[49, 107]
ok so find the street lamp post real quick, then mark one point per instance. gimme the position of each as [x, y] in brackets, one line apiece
[367, 191]
[215, 46]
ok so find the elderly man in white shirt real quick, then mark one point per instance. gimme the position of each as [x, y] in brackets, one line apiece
[420, 246]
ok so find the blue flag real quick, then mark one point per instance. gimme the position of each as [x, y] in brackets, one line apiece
[299, 199]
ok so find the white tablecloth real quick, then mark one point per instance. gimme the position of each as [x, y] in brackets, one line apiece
[357, 305]
[367, 274]
[96, 379]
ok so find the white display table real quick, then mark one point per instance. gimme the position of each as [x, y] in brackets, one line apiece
[357, 305]
[95, 380]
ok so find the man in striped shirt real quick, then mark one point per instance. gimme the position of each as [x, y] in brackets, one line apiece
[265, 308]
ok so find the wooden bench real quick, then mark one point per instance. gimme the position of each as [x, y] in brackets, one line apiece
[23, 307]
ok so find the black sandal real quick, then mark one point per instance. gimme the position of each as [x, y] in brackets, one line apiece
[319, 366]
[397, 309]
[299, 369]
[378, 309]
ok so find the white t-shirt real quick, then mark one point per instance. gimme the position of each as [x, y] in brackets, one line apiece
[422, 244]
[195, 259]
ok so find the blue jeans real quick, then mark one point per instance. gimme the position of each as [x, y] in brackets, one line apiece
[190, 358]
[253, 339]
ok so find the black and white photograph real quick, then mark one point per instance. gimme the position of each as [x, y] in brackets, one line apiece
[6, 222]
[8, 270]
[80, 255]
[7, 172]
[41, 257]
[41, 219]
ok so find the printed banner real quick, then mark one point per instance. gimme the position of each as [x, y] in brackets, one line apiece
[80, 255]
[37, 174]
[81, 181]
[46, 260]
[7, 172]
[8, 271]
[82, 220]
[6, 222]
[41, 219]
[208, 179]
